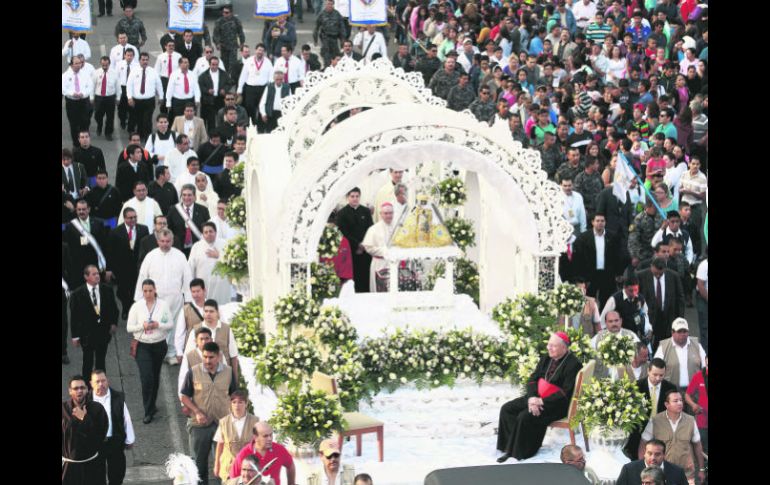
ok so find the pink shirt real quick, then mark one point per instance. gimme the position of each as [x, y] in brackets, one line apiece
[277, 451]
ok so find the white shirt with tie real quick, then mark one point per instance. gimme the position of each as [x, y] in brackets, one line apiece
[106, 402]
[124, 70]
[152, 85]
[662, 280]
[599, 239]
[202, 64]
[163, 63]
[176, 87]
[255, 73]
[111, 84]
[69, 172]
[118, 52]
[293, 66]
[80, 82]
[79, 46]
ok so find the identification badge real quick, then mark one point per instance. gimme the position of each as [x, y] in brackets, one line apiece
[198, 386]
[83, 241]
[571, 213]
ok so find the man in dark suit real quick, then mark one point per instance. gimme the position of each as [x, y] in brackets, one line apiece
[81, 250]
[123, 257]
[212, 101]
[664, 294]
[184, 236]
[94, 319]
[353, 221]
[600, 269]
[150, 242]
[223, 185]
[73, 176]
[89, 156]
[654, 456]
[619, 216]
[105, 199]
[189, 49]
[132, 171]
[311, 61]
[654, 387]
[68, 279]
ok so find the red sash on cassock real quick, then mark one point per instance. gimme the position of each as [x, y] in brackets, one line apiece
[545, 388]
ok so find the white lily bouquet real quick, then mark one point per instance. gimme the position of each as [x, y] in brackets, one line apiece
[568, 299]
[237, 175]
[295, 309]
[289, 362]
[580, 344]
[332, 327]
[330, 241]
[608, 404]
[307, 417]
[344, 363]
[452, 192]
[235, 212]
[246, 325]
[324, 282]
[462, 232]
[234, 263]
[616, 350]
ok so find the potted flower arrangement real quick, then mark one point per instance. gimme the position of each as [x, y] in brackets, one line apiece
[295, 309]
[234, 263]
[451, 192]
[324, 282]
[286, 363]
[235, 212]
[616, 350]
[305, 418]
[568, 300]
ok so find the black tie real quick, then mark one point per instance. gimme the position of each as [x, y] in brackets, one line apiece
[93, 296]
[128, 72]
[70, 183]
[124, 53]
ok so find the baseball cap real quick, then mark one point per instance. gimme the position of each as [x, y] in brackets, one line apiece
[679, 324]
[329, 447]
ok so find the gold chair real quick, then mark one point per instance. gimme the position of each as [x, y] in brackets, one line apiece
[358, 424]
[582, 379]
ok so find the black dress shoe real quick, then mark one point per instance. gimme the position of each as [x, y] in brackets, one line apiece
[100, 15]
[65, 359]
[503, 458]
[153, 412]
[147, 419]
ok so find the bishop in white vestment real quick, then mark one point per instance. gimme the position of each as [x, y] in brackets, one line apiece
[376, 241]
[203, 257]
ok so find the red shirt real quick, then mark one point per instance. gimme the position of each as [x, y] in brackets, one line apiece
[697, 385]
[343, 262]
[277, 451]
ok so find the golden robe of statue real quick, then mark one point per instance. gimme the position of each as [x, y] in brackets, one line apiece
[422, 228]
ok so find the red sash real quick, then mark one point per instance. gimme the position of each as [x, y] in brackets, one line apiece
[545, 388]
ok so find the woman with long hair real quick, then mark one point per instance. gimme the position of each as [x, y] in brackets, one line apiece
[617, 67]
[594, 153]
[608, 175]
[664, 199]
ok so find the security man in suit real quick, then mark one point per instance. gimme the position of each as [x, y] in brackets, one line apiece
[123, 257]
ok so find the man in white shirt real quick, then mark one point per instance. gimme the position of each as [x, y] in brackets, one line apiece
[331, 458]
[221, 333]
[202, 64]
[673, 229]
[371, 42]
[146, 207]
[164, 66]
[574, 210]
[190, 125]
[120, 430]
[204, 255]
[702, 301]
[176, 158]
[583, 11]
[125, 112]
[225, 231]
[168, 268]
[182, 88]
[632, 308]
[77, 87]
[293, 68]
[106, 95]
[142, 87]
[255, 76]
[118, 53]
[190, 317]
[160, 142]
[188, 176]
[693, 186]
[614, 326]
[270, 104]
[683, 355]
[465, 58]
[76, 46]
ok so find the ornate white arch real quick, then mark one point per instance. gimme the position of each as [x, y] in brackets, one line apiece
[326, 94]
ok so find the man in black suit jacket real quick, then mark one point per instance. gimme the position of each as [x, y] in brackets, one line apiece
[104, 198]
[654, 454]
[672, 296]
[312, 62]
[68, 279]
[212, 101]
[601, 282]
[81, 251]
[656, 371]
[619, 216]
[132, 171]
[193, 52]
[197, 212]
[123, 259]
[73, 176]
[93, 323]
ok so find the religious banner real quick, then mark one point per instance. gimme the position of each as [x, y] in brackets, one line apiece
[76, 16]
[184, 15]
[368, 12]
[271, 9]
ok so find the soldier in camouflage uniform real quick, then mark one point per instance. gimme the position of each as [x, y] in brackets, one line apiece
[640, 234]
[444, 79]
[132, 27]
[460, 96]
[228, 36]
[550, 155]
[572, 167]
[330, 25]
[483, 108]
[589, 184]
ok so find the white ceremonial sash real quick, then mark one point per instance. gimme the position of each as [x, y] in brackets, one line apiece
[188, 222]
[102, 263]
[65, 287]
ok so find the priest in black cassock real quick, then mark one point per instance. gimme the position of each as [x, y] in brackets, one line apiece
[524, 421]
[353, 221]
[84, 424]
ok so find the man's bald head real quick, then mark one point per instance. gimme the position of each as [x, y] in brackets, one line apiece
[263, 436]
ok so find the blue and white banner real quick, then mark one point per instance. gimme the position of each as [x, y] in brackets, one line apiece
[76, 15]
[271, 9]
[184, 15]
[368, 12]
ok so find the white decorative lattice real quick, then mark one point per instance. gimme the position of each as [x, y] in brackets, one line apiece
[329, 93]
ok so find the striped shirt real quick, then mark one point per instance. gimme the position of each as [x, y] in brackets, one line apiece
[700, 125]
[597, 32]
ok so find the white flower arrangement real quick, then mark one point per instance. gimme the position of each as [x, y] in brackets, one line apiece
[580, 344]
[289, 362]
[567, 299]
[462, 232]
[529, 315]
[324, 282]
[235, 212]
[330, 241]
[307, 417]
[246, 325]
[344, 364]
[234, 263]
[616, 350]
[333, 328]
[237, 175]
[295, 309]
[613, 405]
[452, 192]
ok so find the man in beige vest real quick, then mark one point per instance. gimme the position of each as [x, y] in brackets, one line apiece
[206, 392]
[195, 356]
[235, 431]
[220, 333]
[683, 354]
[190, 317]
[678, 431]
